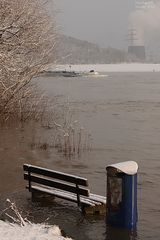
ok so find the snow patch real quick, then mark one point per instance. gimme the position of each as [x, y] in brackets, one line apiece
[10, 231]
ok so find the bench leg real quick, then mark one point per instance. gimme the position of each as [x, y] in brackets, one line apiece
[42, 197]
[36, 196]
[33, 196]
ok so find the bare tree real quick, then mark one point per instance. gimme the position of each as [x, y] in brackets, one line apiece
[27, 45]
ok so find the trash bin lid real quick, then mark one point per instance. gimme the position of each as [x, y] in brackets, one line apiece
[128, 167]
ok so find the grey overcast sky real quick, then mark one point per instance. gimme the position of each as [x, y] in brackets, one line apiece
[104, 22]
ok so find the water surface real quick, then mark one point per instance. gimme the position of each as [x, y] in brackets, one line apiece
[122, 113]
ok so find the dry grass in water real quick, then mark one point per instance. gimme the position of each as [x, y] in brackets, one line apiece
[63, 132]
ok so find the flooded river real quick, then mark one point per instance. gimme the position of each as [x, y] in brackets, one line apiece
[121, 111]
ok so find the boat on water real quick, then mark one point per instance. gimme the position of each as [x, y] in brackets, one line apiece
[70, 74]
[60, 73]
[92, 72]
[65, 73]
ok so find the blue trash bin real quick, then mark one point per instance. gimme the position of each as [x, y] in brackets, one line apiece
[122, 195]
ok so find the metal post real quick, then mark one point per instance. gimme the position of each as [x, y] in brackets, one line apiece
[78, 196]
[29, 178]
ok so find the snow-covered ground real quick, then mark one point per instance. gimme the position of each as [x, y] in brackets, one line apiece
[10, 231]
[122, 67]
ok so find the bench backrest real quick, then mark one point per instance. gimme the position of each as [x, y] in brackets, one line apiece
[55, 179]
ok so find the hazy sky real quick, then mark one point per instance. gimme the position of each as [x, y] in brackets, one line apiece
[100, 21]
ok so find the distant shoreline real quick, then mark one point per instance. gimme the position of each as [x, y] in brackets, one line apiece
[119, 67]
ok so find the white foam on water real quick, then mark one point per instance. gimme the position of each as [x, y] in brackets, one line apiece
[10, 231]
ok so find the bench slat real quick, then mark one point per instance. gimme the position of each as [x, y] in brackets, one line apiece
[64, 195]
[97, 198]
[58, 185]
[55, 174]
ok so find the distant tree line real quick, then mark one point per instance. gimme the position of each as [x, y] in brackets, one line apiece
[75, 51]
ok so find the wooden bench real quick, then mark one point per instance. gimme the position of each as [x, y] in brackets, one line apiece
[62, 185]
